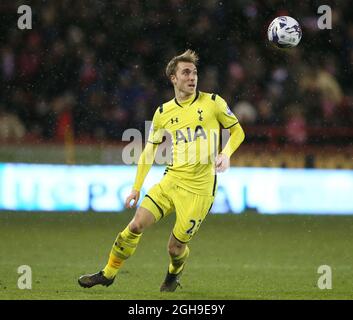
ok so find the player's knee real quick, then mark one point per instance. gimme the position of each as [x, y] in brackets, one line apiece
[142, 220]
[136, 226]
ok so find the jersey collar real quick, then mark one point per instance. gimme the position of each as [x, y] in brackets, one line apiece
[196, 97]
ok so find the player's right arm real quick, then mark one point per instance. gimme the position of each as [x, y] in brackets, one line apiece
[146, 160]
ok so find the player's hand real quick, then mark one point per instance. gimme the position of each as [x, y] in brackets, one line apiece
[135, 196]
[222, 162]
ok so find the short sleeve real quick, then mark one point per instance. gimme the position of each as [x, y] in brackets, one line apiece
[156, 132]
[224, 115]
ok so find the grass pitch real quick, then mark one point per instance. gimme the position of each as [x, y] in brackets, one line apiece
[232, 257]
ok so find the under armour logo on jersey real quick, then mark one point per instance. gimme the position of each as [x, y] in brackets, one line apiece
[199, 111]
[174, 120]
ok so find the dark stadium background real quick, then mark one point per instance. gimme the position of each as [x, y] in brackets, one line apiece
[88, 70]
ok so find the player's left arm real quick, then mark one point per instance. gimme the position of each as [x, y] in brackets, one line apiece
[237, 136]
[229, 121]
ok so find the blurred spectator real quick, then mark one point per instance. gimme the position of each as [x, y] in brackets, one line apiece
[266, 114]
[7, 64]
[62, 107]
[11, 127]
[296, 131]
[246, 112]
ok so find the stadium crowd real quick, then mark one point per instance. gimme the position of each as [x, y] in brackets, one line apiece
[98, 66]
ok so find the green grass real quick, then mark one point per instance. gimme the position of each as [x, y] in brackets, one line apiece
[232, 257]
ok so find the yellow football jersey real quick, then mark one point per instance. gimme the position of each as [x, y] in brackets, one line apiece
[194, 126]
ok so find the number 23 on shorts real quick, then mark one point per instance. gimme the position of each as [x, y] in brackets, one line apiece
[192, 229]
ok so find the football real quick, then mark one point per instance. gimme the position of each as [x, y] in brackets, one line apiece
[284, 32]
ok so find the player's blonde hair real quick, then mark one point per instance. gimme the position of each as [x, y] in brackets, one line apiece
[187, 56]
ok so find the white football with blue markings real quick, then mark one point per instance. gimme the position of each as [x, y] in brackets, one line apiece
[284, 32]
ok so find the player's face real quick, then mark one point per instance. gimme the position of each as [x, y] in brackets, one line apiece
[185, 78]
